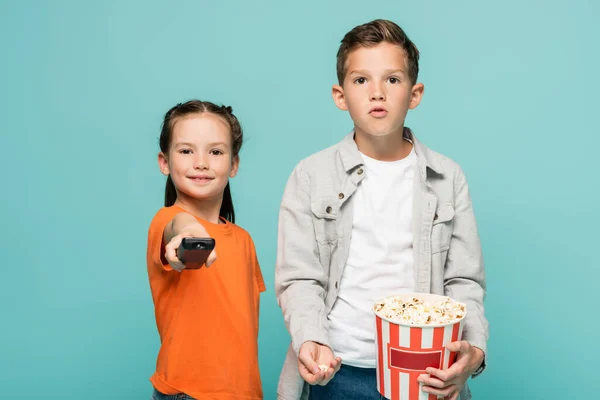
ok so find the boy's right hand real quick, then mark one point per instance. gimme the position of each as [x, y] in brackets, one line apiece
[193, 230]
[311, 356]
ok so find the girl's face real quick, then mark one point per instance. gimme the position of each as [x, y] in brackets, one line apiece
[200, 159]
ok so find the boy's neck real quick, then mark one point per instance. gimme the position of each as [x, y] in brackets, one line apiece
[206, 209]
[392, 147]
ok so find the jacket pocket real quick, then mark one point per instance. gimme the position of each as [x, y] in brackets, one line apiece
[325, 214]
[441, 231]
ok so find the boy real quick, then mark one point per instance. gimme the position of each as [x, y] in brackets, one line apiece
[377, 214]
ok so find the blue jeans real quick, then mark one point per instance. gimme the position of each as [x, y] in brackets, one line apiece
[347, 384]
[156, 395]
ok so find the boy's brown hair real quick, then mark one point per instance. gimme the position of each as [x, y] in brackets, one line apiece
[371, 34]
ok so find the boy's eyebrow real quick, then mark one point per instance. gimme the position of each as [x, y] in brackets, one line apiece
[386, 72]
[392, 71]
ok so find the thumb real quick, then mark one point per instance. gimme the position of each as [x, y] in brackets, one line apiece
[460, 346]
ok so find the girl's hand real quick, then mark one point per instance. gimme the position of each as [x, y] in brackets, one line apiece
[316, 363]
[448, 383]
[193, 230]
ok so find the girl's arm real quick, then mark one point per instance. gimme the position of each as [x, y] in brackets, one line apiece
[181, 226]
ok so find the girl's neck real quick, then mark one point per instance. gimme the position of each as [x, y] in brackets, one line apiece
[206, 209]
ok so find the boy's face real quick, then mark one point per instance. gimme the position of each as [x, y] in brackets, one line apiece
[377, 90]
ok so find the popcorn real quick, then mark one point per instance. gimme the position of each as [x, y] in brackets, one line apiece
[416, 311]
[323, 367]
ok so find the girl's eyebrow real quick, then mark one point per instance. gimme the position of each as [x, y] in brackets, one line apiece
[184, 144]
[359, 72]
[188, 144]
[218, 143]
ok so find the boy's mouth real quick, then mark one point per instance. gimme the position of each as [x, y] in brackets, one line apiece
[378, 112]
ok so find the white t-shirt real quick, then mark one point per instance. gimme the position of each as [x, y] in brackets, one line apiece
[380, 260]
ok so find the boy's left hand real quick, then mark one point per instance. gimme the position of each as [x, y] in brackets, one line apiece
[449, 383]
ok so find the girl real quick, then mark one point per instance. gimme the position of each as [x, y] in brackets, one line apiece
[207, 318]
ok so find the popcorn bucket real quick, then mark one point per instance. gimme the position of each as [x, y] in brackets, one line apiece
[405, 350]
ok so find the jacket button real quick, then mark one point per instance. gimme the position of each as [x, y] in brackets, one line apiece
[435, 217]
[328, 209]
[341, 195]
[336, 285]
[360, 171]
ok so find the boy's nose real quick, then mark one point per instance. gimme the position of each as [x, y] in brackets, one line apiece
[377, 95]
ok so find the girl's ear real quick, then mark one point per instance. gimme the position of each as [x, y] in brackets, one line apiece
[163, 164]
[234, 167]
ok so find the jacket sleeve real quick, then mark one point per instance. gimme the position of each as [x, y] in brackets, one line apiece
[464, 277]
[300, 280]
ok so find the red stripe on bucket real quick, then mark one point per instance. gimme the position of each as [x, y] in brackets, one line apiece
[418, 361]
[438, 342]
[454, 354]
[394, 373]
[379, 340]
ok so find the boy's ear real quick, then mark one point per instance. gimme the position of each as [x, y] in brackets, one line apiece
[416, 95]
[337, 92]
[163, 164]
[234, 167]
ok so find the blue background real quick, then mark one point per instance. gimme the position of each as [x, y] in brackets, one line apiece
[511, 93]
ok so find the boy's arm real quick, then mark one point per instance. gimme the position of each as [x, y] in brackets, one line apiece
[464, 277]
[300, 280]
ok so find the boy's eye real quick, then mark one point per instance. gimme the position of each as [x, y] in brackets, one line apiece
[394, 80]
[360, 81]
[185, 151]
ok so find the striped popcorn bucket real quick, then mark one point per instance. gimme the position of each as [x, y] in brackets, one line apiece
[405, 351]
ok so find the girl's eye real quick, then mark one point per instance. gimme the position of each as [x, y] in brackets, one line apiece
[216, 152]
[360, 81]
[394, 80]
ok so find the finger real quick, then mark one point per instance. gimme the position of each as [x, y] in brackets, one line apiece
[329, 374]
[433, 382]
[171, 253]
[327, 377]
[310, 378]
[178, 266]
[440, 392]
[306, 358]
[212, 257]
[455, 395]
[461, 346]
[173, 245]
[336, 364]
[174, 262]
[443, 375]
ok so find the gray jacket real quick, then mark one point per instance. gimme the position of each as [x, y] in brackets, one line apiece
[315, 225]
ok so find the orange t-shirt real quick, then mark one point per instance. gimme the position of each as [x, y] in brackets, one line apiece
[207, 318]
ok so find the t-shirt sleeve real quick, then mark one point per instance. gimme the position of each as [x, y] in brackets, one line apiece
[258, 277]
[155, 253]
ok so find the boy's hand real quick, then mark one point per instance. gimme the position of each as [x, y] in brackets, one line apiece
[311, 357]
[192, 230]
[450, 382]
